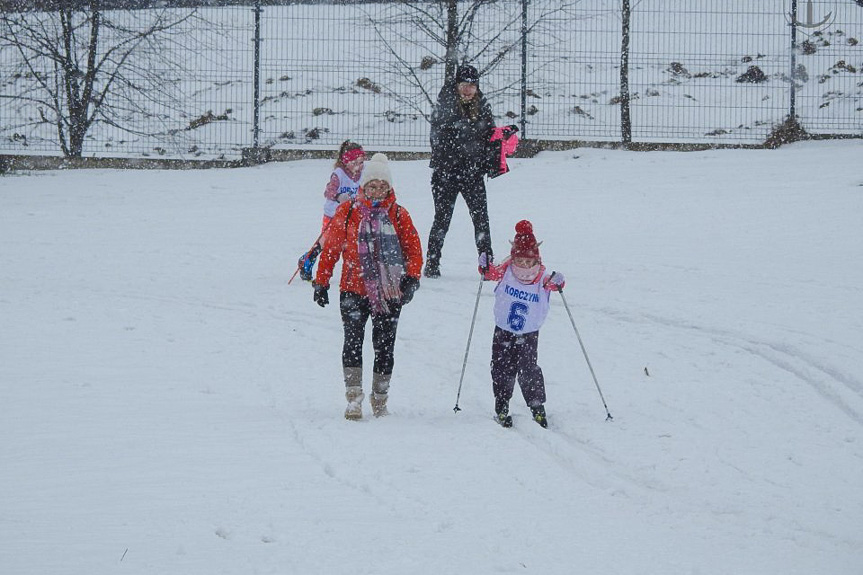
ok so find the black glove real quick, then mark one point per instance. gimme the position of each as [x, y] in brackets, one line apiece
[322, 296]
[409, 285]
[483, 262]
[509, 130]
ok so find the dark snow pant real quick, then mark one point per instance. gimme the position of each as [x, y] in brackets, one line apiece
[355, 311]
[446, 186]
[514, 355]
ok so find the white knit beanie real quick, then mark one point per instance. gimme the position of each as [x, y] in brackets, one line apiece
[377, 168]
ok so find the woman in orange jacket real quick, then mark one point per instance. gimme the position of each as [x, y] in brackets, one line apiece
[381, 265]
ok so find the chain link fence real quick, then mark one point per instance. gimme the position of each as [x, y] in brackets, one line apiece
[222, 80]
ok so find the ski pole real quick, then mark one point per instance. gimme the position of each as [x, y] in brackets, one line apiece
[317, 241]
[584, 351]
[296, 271]
[466, 349]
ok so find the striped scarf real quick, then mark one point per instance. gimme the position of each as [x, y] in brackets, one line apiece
[381, 260]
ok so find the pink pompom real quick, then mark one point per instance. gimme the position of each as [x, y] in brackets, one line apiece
[524, 227]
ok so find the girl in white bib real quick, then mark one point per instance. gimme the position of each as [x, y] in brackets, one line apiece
[520, 307]
[345, 179]
[342, 187]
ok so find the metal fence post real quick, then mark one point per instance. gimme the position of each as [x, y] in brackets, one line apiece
[792, 112]
[256, 125]
[524, 4]
[625, 118]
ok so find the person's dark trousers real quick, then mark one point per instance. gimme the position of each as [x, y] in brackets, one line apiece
[355, 312]
[446, 186]
[515, 355]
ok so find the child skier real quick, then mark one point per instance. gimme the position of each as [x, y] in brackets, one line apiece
[520, 308]
[342, 187]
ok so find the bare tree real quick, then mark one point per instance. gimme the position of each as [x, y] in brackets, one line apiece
[83, 64]
[459, 32]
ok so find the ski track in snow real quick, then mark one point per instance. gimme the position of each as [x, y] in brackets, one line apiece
[824, 379]
[797, 363]
[569, 452]
[333, 469]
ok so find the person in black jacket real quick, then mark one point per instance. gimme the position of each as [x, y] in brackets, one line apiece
[461, 126]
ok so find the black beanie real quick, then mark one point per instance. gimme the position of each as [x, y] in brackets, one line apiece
[467, 73]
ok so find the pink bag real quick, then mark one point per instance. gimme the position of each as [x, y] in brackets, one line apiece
[504, 142]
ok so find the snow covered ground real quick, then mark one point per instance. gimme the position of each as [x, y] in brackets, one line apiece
[169, 405]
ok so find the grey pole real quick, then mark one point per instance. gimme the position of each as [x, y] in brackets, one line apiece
[584, 351]
[466, 349]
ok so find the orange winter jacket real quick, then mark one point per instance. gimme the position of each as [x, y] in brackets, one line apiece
[342, 241]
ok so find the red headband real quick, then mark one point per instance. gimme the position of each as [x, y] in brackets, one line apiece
[352, 155]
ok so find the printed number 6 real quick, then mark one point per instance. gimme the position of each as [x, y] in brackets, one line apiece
[516, 317]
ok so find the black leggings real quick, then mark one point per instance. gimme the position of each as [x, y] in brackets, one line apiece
[355, 311]
[446, 186]
[514, 356]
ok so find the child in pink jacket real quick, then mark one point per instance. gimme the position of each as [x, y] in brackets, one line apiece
[342, 187]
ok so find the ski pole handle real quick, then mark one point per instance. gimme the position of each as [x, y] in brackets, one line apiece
[560, 289]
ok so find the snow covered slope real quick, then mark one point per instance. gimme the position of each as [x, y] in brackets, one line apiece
[169, 405]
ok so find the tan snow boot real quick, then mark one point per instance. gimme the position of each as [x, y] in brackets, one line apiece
[380, 393]
[354, 393]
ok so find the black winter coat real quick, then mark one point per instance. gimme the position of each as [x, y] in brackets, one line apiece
[458, 142]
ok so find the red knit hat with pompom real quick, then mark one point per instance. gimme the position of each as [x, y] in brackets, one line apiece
[524, 245]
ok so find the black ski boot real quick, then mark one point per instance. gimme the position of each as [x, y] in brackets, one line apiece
[307, 262]
[501, 410]
[539, 415]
